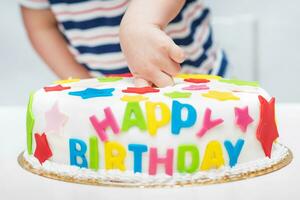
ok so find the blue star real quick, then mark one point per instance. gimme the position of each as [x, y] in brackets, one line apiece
[92, 92]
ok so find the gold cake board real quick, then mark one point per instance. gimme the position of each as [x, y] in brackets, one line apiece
[89, 181]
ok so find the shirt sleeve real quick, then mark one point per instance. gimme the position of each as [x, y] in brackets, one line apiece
[35, 4]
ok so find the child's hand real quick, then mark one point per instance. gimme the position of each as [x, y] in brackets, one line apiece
[151, 54]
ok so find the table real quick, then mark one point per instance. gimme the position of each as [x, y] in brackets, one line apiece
[16, 183]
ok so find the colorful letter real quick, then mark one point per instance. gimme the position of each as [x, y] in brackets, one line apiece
[78, 153]
[29, 124]
[182, 155]
[115, 155]
[101, 126]
[138, 120]
[177, 122]
[208, 123]
[213, 156]
[155, 160]
[153, 123]
[94, 153]
[234, 151]
[138, 150]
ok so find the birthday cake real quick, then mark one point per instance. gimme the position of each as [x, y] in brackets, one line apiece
[105, 130]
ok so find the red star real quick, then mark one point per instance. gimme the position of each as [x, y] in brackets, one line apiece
[196, 80]
[140, 90]
[42, 151]
[124, 75]
[56, 88]
[267, 131]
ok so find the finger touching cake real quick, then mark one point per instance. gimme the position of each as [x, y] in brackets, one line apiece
[104, 129]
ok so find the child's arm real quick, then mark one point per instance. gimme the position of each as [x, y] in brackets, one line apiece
[152, 56]
[47, 40]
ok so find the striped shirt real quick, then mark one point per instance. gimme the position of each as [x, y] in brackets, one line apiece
[91, 29]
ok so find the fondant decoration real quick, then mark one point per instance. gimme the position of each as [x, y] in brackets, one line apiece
[198, 76]
[240, 82]
[77, 150]
[183, 151]
[153, 122]
[242, 118]
[234, 151]
[196, 87]
[92, 93]
[177, 121]
[42, 151]
[267, 131]
[208, 123]
[94, 153]
[55, 119]
[124, 75]
[196, 80]
[101, 126]
[115, 155]
[213, 156]
[109, 79]
[29, 124]
[221, 96]
[141, 90]
[133, 108]
[134, 98]
[56, 88]
[138, 150]
[176, 95]
[167, 161]
[70, 80]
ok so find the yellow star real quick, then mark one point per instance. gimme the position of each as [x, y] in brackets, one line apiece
[198, 76]
[134, 98]
[221, 96]
[70, 80]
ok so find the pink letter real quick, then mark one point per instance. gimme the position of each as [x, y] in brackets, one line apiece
[109, 121]
[208, 123]
[155, 160]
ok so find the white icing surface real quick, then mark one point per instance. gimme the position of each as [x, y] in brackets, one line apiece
[78, 125]
[279, 152]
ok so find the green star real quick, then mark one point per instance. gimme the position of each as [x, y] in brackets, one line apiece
[240, 82]
[29, 124]
[176, 95]
[109, 79]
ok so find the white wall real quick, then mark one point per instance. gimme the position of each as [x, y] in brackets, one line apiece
[278, 48]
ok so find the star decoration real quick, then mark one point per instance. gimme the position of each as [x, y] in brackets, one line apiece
[42, 151]
[196, 87]
[124, 75]
[242, 118]
[176, 95]
[198, 76]
[71, 80]
[92, 93]
[29, 124]
[208, 123]
[109, 79]
[267, 131]
[55, 120]
[196, 80]
[135, 98]
[56, 88]
[140, 90]
[221, 96]
[240, 82]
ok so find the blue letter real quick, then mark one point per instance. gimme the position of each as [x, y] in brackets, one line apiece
[138, 150]
[234, 151]
[75, 152]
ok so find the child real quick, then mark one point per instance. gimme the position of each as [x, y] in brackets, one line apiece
[155, 38]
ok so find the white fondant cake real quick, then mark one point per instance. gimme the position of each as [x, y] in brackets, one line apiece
[202, 124]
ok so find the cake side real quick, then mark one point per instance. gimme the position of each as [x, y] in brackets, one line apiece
[201, 123]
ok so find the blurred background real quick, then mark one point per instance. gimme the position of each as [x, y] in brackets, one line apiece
[261, 38]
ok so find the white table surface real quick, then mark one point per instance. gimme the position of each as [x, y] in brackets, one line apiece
[16, 183]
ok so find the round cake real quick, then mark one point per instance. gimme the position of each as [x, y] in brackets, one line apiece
[106, 131]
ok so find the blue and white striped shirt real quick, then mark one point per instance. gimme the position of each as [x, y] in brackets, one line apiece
[91, 29]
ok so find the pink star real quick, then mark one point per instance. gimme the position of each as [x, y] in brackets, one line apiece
[242, 118]
[55, 119]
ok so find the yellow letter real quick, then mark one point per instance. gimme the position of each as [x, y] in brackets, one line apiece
[115, 155]
[153, 122]
[213, 156]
